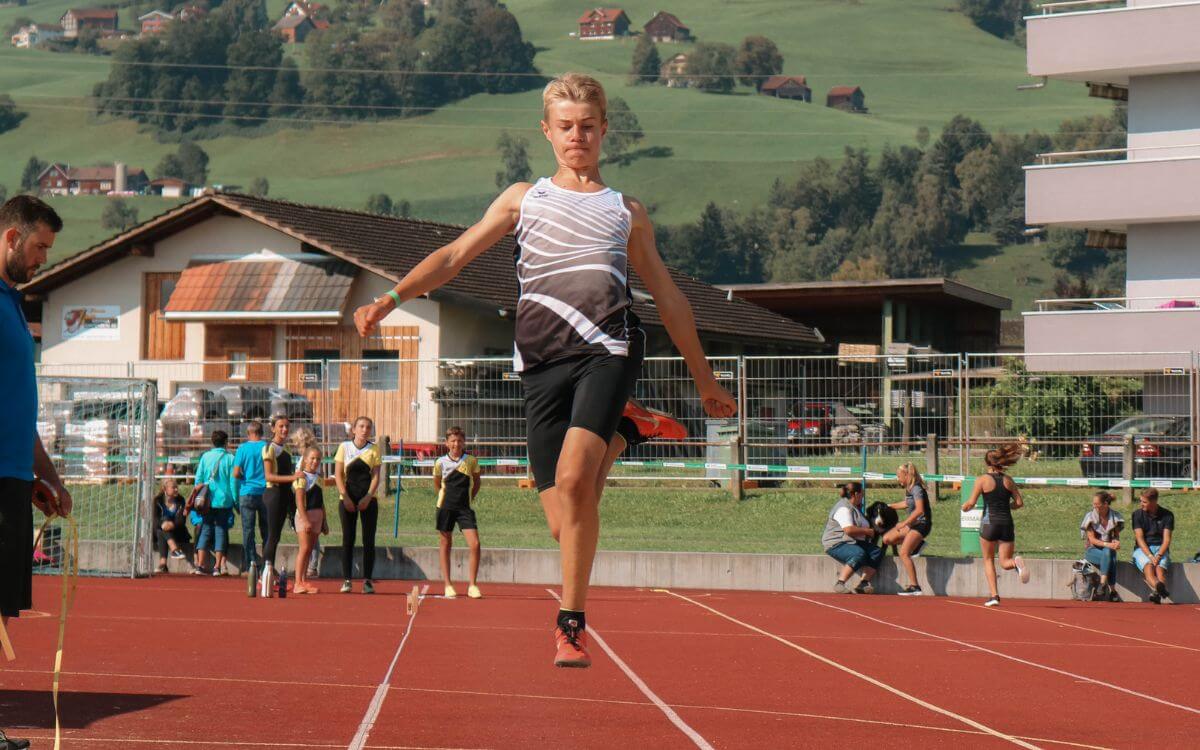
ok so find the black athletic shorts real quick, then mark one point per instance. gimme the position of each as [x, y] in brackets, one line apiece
[16, 546]
[448, 515]
[998, 532]
[923, 527]
[587, 391]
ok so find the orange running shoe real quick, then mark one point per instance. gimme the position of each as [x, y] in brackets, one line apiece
[649, 424]
[572, 648]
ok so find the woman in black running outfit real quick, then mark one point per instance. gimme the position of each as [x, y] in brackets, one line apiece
[1000, 498]
[280, 472]
[356, 472]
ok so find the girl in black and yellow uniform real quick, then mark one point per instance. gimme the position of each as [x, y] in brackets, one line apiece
[279, 472]
[310, 515]
[356, 471]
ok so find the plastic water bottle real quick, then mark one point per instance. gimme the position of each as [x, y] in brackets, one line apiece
[264, 582]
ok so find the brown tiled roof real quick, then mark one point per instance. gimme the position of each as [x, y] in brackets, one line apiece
[604, 14]
[288, 22]
[775, 82]
[843, 90]
[271, 285]
[161, 181]
[669, 18]
[108, 172]
[391, 247]
[93, 12]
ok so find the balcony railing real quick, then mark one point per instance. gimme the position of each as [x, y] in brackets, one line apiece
[1076, 6]
[1118, 304]
[1119, 154]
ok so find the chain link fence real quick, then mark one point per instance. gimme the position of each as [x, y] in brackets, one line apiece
[100, 433]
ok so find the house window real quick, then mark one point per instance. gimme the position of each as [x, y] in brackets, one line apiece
[312, 370]
[381, 371]
[237, 365]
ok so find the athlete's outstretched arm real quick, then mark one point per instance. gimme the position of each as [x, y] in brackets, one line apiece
[675, 312]
[443, 264]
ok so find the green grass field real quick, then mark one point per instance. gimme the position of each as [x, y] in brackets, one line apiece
[696, 518]
[918, 62]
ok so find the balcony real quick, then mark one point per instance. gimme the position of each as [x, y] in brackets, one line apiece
[1156, 327]
[1147, 185]
[1108, 42]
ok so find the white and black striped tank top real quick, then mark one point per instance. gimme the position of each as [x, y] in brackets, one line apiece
[572, 267]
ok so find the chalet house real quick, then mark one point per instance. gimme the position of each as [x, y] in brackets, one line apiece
[787, 87]
[849, 98]
[78, 19]
[665, 27]
[191, 12]
[603, 23]
[303, 8]
[673, 72]
[295, 28]
[155, 22]
[34, 34]
[58, 179]
[230, 287]
[170, 187]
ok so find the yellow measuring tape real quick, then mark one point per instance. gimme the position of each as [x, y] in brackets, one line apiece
[69, 573]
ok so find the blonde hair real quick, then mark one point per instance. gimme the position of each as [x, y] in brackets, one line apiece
[914, 476]
[575, 87]
[304, 439]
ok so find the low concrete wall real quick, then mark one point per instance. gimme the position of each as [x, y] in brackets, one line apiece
[943, 576]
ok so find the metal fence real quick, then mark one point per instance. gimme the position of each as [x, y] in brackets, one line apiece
[868, 413]
[100, 433]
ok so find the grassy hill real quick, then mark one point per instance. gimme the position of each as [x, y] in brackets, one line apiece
[918, 62]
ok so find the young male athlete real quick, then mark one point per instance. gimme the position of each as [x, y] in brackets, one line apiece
[578, 345]
[456, 482]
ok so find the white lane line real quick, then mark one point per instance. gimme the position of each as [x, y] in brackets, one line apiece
[368, 720]
[234, 743]
[669, 712]
[1034, 664]
[1094, 631]
[858, 675]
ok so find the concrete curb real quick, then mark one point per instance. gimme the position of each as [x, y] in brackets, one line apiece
[941, 576]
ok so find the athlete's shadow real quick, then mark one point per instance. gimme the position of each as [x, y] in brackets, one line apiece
[34, 709]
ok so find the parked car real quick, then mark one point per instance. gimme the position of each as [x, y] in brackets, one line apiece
[190, 418]
[1160, 448]
[818, 423]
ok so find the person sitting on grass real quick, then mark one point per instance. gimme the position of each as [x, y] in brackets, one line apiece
[911, 532]
[1101, 527]
[1152, 528]
[170, 524]
[215, 469]
[310, 514]
[848, 539]
[456, 482]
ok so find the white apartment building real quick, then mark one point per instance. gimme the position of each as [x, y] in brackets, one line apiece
[1145, 196]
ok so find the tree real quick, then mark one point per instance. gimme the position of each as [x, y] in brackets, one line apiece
[118, 215]
[252, 58]
[3, 194]
[868, 268]
[624, 130]
[647, 64]
[88, 41]
[757, 59]
[287, 91]
[169, 166]
[1002, 18]
[922, 136]
[193, 163]
[711, 67]
[404, 16]
[10, 116]
[259, 187]
[514, 155]
[29, 176]
[17, 24]
[380, 203]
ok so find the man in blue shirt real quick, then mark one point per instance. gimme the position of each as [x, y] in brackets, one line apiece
[27, 230]
[248, 469]
[216, 470]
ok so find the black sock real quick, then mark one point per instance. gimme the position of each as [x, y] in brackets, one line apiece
[568, 619]
[1161, 589]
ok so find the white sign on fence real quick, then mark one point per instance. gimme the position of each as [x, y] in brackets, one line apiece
[92, 323]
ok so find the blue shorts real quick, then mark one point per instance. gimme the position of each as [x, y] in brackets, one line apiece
[1140, 559]
[857, 554]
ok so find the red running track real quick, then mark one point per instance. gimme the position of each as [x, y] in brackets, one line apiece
[184, 662]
